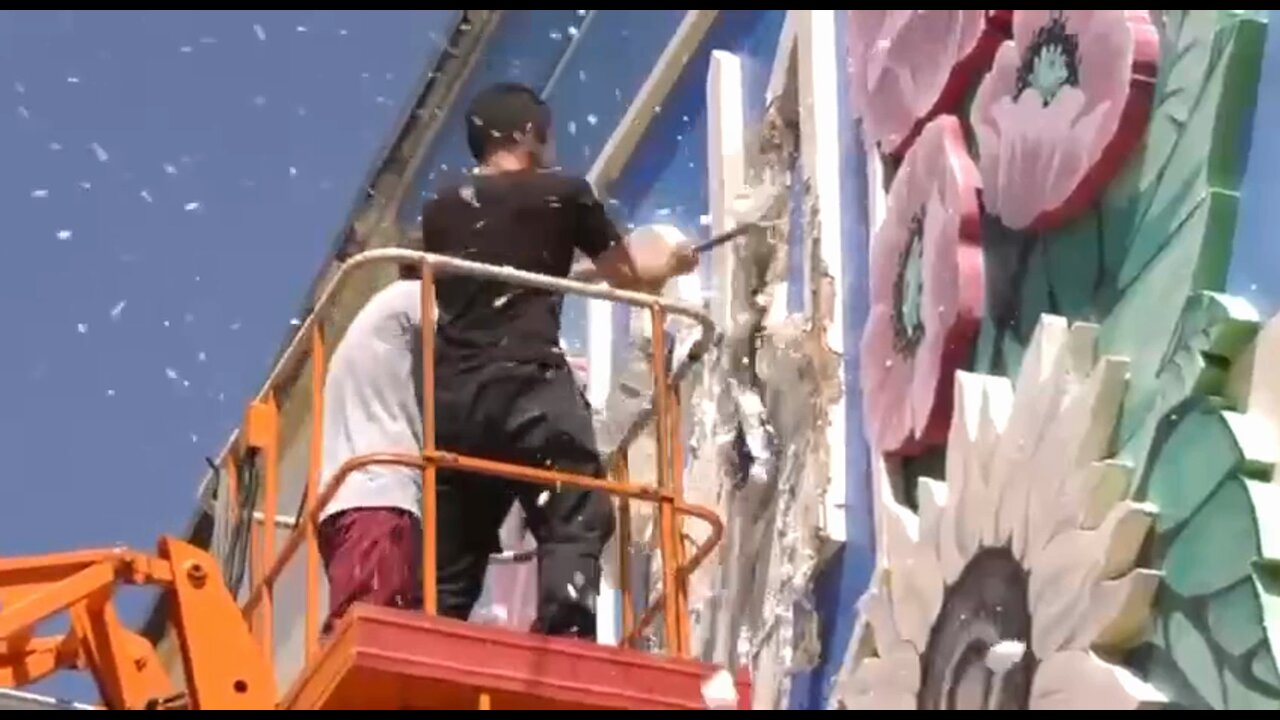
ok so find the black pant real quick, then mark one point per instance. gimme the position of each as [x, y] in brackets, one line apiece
[531, 414]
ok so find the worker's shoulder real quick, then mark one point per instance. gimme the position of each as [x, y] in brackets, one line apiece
[398, 298]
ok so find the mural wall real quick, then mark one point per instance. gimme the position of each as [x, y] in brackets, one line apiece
[1074, 435]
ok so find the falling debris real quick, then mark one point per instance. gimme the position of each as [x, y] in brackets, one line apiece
[146, 195]
[20, 88]
[201, 357]
[194, 438]
[719, 691]
[118, 309]
[261, 33]
[64, 234]
[191, 206]
[342, 31]
[111, 393]
[573, 31]
[186, 49]
[259, 100]
[99, 152]
[301, 28]
[582, 13]
[573, 128]
[582, 76]
[544, 497]
[208, 40]
[557, 35]
[295, 322]
[592, 119]
[235, 325]
[73, 80]
[1004, 655]
[293, 171]
[41, 193]
[573, 591]
[82, 328]
[85, 185]
[22, 110]
[55, 146]
[170, 169]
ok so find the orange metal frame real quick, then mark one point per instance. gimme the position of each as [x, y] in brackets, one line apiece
[673, 603]
[225, 669]
[225, 666]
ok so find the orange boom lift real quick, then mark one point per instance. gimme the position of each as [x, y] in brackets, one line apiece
[377, 658]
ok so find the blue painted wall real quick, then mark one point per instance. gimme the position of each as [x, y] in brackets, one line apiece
[848, 573]
[1255, 262]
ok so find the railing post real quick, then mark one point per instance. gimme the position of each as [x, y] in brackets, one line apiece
[622, 476]
[311, 624]
[262, 432]
[668, 535]
[428, 308]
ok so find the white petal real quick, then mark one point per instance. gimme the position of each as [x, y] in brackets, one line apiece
[1079, 680]
[884, 679]
[931, 497]
[915, 578]
[1081, 434]
[1063, 573]
[981, 410]
[1118, 611]
[1104, 484]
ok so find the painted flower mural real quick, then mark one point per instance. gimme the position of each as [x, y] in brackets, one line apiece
[1020, 567]
[910, 65]
[1064, 105]
[926, 292]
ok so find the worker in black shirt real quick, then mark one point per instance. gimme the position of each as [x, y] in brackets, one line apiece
[504, 390]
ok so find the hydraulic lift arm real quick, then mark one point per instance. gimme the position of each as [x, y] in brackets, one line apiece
[225, 668]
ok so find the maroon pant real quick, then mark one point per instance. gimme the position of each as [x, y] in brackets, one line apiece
[371, 555]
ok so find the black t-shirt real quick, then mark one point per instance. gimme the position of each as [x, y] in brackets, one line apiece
[530, 220]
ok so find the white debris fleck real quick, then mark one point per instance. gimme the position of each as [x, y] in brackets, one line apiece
[55, 146]
[260, 32]
[20, 88]
[171, 373]
[170, 169]
[82, 328]
[342, 31]
[573, 128]
[40, 193]
[194, 438]
[573, 591]
[191, 206]
[293, 171]
[235, 325]
[201, 357]
[719, 691]
[468, 194]
[73, 79]
[295, 322]
[704, 220]
[544, 497]
[501, 300]
[22, 110]
[186, 49]
[557, 35]
[85, 185]
[111, 393]
[1004, 655]
[582, 13]
[118, 309]
[301, 28]
[99, 152]
[206, 40]
[582, 76]
[592, 119]
[259, 100]
[573, 31]
[165, 323]
[64, 234]
[146, 195]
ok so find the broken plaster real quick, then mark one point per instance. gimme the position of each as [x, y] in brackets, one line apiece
[754, 423]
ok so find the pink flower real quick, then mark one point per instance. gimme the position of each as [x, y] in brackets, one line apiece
[908, 66]
[926, 292]
[1066, 102]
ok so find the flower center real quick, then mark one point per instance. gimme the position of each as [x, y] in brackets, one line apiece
[978, 656]
[1051, 61]
[908, 290]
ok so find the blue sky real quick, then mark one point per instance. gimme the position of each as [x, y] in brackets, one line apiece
[170, 182]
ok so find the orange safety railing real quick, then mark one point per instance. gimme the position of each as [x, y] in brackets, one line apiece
[262, 431]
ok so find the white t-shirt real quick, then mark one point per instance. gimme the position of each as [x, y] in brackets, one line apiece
[372, 402]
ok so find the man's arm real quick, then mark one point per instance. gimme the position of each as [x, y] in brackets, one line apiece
[640, 263]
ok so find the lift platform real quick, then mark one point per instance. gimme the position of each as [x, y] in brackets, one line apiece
[385, 659]
[377, 658]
